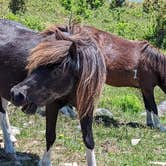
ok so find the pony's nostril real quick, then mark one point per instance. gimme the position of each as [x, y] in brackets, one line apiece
[17, 97]
[20, 96]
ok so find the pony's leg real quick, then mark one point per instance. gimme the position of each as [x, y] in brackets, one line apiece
[149, 120]
[154, 112]
[51, 119]
[86, 126]
[9, 149]
[12, 130]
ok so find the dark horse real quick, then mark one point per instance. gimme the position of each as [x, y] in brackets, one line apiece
[15, 42]
[69, 71]
[129, 64]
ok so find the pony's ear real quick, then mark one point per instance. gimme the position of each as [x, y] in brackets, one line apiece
[73, 51]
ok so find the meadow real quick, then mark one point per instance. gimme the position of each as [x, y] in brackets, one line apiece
[113, 144]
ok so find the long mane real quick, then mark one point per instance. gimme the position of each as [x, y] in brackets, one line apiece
[153, 57]
[92, 70]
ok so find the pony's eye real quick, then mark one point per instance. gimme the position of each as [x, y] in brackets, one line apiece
[57, 71]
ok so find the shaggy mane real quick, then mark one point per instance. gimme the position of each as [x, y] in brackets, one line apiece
[48, 53]
[92, 70]
[155, 58]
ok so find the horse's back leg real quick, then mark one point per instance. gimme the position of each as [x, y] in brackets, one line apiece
[149, 120]
[4, 122]
[151, 109]
[86, 127]
[51, 119]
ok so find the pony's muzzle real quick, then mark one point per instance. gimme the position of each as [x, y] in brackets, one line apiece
[18, 96]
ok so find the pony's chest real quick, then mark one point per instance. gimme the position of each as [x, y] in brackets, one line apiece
[122, 78]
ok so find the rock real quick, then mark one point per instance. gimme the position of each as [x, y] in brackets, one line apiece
[135, 141]
[41, 111]
[158, 163]
[161, 109]
[68, 111]
[15, 130]
[104, 116]
[103, 112]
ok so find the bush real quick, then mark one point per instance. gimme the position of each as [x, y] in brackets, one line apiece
[116, 3]
[157, 10]
[28, 20]
[81, 7]
[127, 103]
[17, 6]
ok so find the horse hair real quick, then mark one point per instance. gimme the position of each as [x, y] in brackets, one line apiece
[92, 66]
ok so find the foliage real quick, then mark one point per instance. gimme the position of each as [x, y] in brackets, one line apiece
[151, 5]
[17, 6]
[94, 4]
[30, 21]
[113, 145]
[81, 7]
[128, 103]
[116, 3]
[157, 9]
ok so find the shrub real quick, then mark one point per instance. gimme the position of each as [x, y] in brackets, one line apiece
[127, 103]
[17, 6]
[28, 20]
[116, 3]
[157, 9]
[81, 7]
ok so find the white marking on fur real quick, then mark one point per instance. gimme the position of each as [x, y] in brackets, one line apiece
[149, 119]
[8, 143]
[156, 121]
[11, 130]
[135, 73]
[157, 124]
[90, 157]
[5, 125]
[46, 159]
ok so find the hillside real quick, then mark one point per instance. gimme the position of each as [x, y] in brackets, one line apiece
[113, 144]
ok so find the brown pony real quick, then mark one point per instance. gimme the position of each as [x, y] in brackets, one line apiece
[129, 64]
[70, 70]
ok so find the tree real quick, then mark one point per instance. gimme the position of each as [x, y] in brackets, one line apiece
[17, 6]
[116, 3]
[157, 8]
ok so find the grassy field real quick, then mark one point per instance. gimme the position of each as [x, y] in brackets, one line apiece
[113, 144]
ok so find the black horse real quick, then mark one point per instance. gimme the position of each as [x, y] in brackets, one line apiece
[61, 72]
[15, 42]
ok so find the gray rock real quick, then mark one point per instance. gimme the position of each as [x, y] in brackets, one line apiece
[69, 111]
[103, 112]
[161, 109]
[104, 116]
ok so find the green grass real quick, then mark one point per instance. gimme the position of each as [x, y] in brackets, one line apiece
[113, 145]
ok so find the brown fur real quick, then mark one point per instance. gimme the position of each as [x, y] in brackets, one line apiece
[121, 56]
[155, 59]
[90, 59]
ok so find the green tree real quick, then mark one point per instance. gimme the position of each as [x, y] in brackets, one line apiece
[17, 6]
[116, 3]
[157, 9]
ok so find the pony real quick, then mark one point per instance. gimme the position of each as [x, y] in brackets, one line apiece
[15, 43]
[68, 70]
[129, 63]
